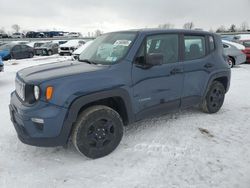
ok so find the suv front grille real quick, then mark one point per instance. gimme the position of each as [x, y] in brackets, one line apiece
[20, 88]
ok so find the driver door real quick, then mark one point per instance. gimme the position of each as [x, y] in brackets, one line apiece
[157, 89]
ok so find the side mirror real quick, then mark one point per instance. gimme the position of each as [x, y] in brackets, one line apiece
[154, 59]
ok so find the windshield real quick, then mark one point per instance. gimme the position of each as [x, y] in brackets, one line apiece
[6, 47]
[108, 48]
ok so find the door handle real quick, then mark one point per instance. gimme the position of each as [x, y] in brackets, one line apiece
[209, 65]
[176, 71]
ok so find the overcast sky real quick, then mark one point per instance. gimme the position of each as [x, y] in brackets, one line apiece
[109, 15]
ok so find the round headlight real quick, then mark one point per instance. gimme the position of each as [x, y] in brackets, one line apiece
[36, 92]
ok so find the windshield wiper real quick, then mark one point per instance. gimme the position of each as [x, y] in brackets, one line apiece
[87, 61]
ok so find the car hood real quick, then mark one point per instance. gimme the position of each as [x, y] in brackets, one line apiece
[41, 73]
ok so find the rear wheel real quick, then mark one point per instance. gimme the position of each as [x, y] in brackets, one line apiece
[31, 55]
[97, 132]
[214, 98]
[49, 52]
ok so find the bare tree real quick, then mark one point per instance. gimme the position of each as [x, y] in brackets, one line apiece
[221, 29]
[98, 33]
[188, 25]
[244, 26]
[16, 28]
[232, 28]
[166, 26]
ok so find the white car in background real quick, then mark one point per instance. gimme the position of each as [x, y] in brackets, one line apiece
[69, 47]
[17, 35]
[77, 52]
[74, 35]
[234, 52]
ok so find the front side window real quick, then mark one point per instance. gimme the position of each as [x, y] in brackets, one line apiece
[109, 48]
[164, 46]
[194, 47]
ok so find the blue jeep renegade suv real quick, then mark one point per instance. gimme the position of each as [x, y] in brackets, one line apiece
[122, 77]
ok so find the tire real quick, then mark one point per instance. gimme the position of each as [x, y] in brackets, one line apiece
[31, 55]
[214, 98]
[97, 132]
[231, 62]
[49, 53]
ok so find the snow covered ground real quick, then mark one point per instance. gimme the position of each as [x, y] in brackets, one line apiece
[185, 150]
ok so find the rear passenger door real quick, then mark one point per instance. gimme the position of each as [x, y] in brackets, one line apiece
[197, 63]
[157, 89]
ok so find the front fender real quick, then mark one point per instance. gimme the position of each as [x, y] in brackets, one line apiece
[80, 102]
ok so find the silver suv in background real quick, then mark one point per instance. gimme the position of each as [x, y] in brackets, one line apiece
[69, 47]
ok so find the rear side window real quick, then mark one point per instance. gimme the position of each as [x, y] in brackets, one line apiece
[24, 47]
[167, 45]
[194, 47]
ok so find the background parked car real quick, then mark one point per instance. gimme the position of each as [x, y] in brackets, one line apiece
[4, 35]
[246, 43]
[16, 51]
[31, 34]
[17, 35]
[77, 52]
[234, 52]
[69, 47]
[49, 48]
[74, 35]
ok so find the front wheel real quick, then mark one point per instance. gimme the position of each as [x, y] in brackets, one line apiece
[214, 98]
[97, 132]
